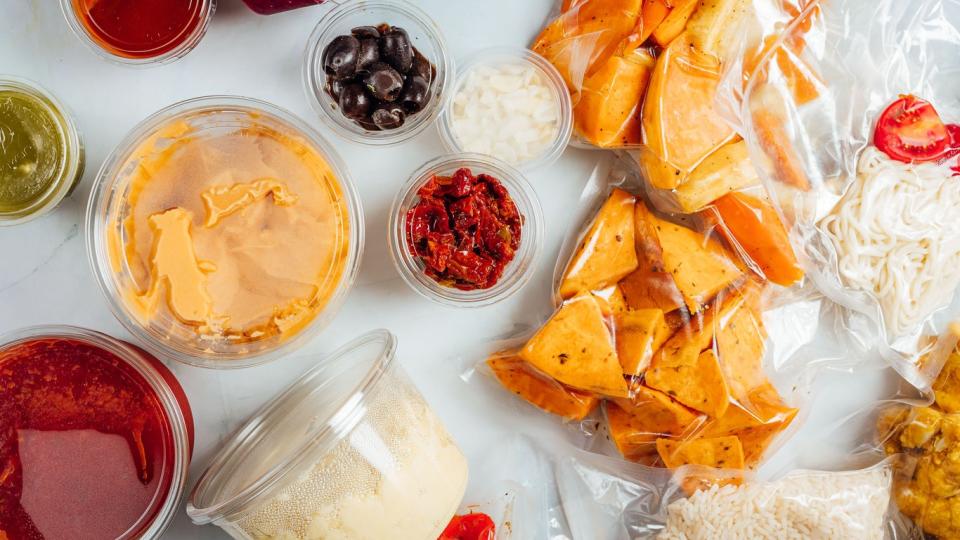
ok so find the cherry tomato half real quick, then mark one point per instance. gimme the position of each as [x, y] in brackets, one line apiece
[910, 130]
[469, 527]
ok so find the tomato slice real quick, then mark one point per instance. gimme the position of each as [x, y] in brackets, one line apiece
[953, 148]
[470, 527]
[910, 130]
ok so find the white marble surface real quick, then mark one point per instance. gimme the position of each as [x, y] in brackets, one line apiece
[45, 278]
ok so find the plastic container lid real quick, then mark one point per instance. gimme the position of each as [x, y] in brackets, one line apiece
[286, 435]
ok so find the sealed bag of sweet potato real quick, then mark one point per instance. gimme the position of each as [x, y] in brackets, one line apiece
[850, 114]
[661, 336]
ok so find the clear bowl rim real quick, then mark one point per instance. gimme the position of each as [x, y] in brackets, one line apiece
[72, 148]
[98, 258]
[317, 97]
[183, 451]
[555, 81]
[344, 416]
[207, 9]
[520, 269]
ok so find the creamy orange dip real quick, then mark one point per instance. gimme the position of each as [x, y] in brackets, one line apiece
[228, 235]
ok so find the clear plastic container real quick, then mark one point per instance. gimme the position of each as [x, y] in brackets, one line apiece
[120, 49]
[166, 453]
[350, 450]
[517, 272]
[499, 57]
[425, 35]
[72, 160]
[252, 258]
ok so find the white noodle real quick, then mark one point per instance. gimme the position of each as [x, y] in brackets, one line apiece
[897, 236]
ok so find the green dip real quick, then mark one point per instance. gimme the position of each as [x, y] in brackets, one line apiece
[33, 151]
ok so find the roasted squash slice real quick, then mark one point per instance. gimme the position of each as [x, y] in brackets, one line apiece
[607, 252]
[576, 348]
[608, 113]
[755, 226]
[700, 266]
[539, 390]
[727, 170]
[640, 334]
[680, 125]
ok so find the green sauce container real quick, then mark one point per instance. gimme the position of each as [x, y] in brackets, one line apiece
[41, 154]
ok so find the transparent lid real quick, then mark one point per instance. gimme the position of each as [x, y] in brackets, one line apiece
[289, 433]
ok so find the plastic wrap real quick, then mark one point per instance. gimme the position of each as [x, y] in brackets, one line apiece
[661, 336]
[878, 237]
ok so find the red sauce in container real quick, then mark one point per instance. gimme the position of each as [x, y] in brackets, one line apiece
[88, 449]
[140, 29]
[269, 7]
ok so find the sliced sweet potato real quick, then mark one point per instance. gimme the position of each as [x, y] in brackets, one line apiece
[650, 285]
[679, 122]
[727, 170]
[710, 27]
[740, 345]
[640, 333]
[755, 226]
[674, 23]
[652, 14]
[608, 113]
[635, 424]
[700, 266]
[769, 120]
[699, 385]
[615, 301]
[756, 427]
[607, 252]
[523, 380]
[585, 35]
[575, 348]
[716, 452]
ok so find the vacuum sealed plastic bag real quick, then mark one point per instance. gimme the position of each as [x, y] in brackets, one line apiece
[635, 76]
[662, 324]
[608, 500]
[929, 434]
[847, 110]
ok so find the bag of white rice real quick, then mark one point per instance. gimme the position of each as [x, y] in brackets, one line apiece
[804, 505]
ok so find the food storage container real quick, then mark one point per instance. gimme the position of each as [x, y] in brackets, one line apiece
[350, 450]
[98, 415]
[517, 272]
[139, 34]
[268, 266]
[41, 139]
[425, 36]
[515, 107]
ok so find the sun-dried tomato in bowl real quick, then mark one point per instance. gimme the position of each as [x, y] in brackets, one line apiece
[465, 228]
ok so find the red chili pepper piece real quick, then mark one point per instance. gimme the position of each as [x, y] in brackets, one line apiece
[470, 527]
[466, 229]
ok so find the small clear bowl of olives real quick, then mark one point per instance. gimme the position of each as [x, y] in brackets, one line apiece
[377, 71]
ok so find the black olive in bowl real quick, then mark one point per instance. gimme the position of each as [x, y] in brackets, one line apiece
[388, 116]
[340, 57]
[395, 49]
[377, 77]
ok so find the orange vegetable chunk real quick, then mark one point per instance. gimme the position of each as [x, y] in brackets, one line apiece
[754, 225]
[576, 348]
[542, 391]
[607, 252]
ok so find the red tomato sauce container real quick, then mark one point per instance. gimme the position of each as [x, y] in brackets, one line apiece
[139, 32]
[96, 437]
